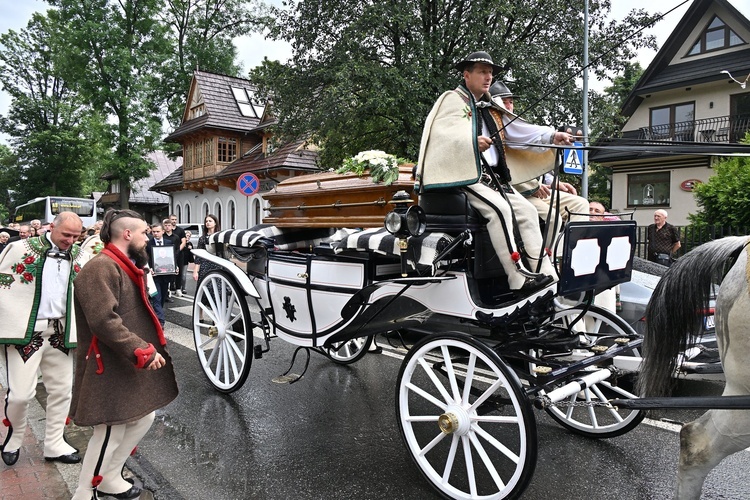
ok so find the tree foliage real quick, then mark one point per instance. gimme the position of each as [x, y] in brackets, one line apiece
[113, 54]
[364, 75]
[725, 199]
[54, 135]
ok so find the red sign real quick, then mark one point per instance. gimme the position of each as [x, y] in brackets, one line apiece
[248, 184]
[689, 184]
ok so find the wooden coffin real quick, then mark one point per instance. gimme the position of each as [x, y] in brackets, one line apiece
[328, 199]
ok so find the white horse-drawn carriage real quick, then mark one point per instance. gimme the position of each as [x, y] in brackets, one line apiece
[323, 280]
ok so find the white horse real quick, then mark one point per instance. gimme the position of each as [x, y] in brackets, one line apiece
[675, 310]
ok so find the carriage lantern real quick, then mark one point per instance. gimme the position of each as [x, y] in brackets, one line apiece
[403, 222]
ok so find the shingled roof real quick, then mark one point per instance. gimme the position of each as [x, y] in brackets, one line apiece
[222, 109]
[142, 190]
[295, 155]
[662, 74]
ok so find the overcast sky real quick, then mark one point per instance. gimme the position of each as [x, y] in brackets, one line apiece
[252, 50]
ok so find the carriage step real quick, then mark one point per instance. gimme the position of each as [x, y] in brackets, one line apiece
[257, 352]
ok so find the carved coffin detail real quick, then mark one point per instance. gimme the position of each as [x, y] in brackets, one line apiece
[328, 199]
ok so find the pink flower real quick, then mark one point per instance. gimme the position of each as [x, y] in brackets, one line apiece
[20, 268]
[29, 259]
[28, 276]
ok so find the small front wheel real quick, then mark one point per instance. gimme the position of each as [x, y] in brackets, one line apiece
[465, 419]
[349, 351]
[222, 330]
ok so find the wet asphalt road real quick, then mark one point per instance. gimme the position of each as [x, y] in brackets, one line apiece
[335, 435]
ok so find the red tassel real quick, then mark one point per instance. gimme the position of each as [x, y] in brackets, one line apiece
[133, 452]
[67, 420]
[515, 256]
[6, 422]
[96, 481]
[549, 252]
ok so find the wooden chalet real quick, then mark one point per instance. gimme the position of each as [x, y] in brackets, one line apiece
[225, 133]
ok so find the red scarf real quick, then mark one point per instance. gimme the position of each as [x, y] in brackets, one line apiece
[137, 276]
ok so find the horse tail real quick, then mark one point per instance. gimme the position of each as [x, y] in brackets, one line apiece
[675, 312]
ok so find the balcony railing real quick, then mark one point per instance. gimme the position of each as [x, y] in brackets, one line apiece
[720, 129]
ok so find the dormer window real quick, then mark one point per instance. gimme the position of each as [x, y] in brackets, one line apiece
[716, 36]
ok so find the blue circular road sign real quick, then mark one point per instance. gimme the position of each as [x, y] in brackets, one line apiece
[248, 184]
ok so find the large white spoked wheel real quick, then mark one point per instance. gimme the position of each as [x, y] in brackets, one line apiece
[347, 352]
[584, 412]
[465, 419]
[222, 330]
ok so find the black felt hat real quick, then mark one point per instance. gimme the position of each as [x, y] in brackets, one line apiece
[499, 89]
[478, 57]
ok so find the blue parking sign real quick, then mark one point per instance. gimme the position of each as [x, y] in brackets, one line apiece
[573, 160]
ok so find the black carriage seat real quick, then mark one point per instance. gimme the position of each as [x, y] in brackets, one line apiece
[449, 210]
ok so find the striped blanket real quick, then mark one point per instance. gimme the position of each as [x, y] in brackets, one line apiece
[422, 250]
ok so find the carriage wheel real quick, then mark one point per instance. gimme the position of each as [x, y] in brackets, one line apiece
[576, 414]
[349, 351]
[465, 419]
[224, 337]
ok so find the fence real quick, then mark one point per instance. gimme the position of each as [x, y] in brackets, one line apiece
[690, 237]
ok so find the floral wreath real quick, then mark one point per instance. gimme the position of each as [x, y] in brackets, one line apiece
[382, 166]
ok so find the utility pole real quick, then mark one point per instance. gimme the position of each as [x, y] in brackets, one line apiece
[585, 174]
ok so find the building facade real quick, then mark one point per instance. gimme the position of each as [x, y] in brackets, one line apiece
[693, 92]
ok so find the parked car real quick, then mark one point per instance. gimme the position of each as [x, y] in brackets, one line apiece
[701, 359]
[196, 230]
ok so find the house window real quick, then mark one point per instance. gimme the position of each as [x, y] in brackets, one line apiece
[676, 121]
[217, 209]
[198, 154]
[256, 212]
[198, 111]
[188, 156]
[114, 186]
[648, 189]
[227, 150]
[716, 36]
[208, 147]
[232, 215]
[187, 212]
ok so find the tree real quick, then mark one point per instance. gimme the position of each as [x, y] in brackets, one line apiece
[113, 53]
[8, 175]
[725, 199]
[53, 132]
[364, 75]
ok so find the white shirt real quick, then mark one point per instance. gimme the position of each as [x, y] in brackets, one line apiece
[54, 299]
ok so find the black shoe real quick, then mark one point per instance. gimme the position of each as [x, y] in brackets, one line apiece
[133, 492]
[10, 457]
[534, 284]
[169, 299]
[71, 458]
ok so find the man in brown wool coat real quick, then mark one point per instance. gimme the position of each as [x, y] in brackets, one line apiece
[123, 370]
